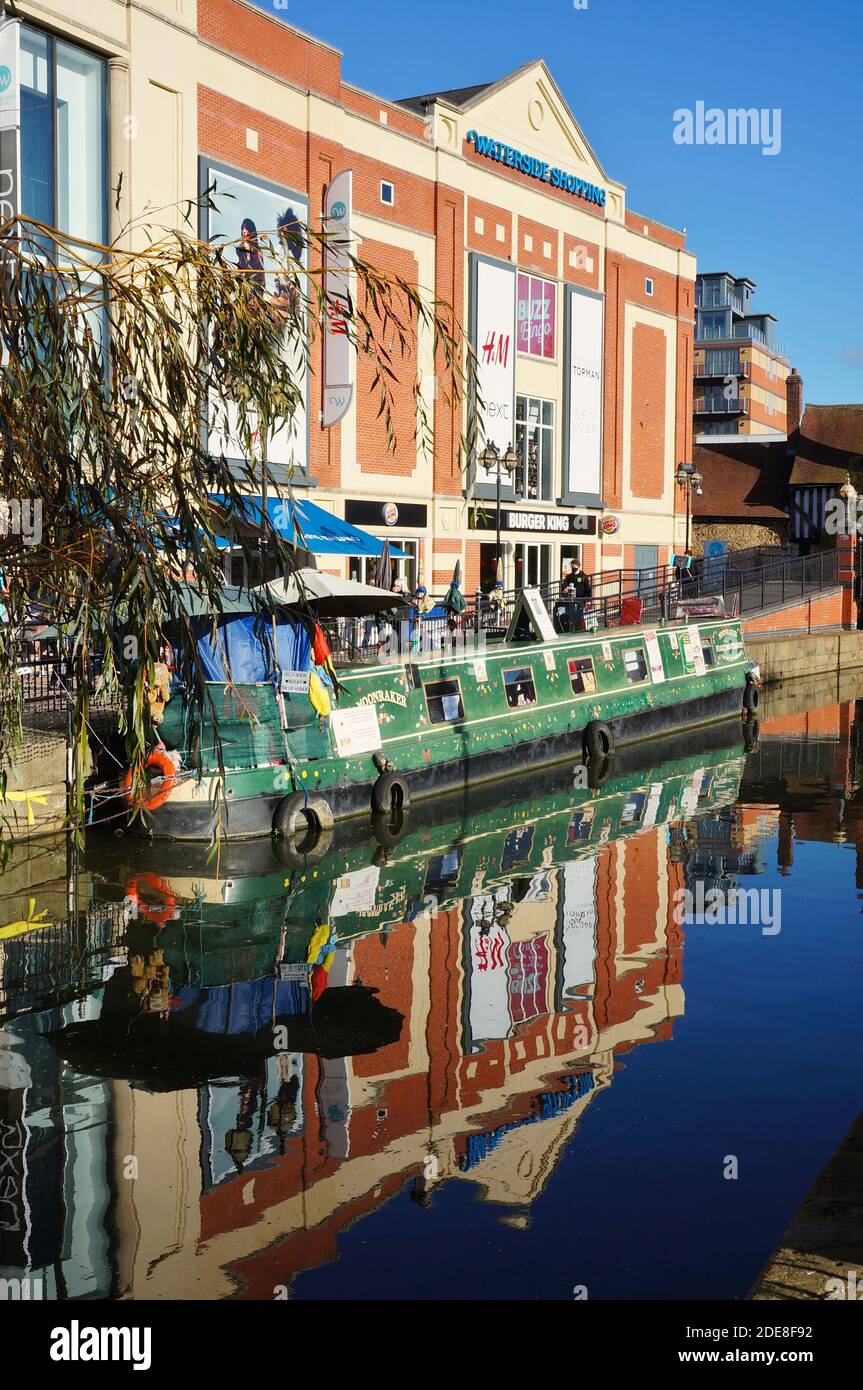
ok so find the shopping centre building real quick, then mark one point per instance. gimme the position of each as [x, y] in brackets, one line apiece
[489, 198]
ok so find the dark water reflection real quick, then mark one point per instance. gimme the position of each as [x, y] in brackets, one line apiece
[488, 1061]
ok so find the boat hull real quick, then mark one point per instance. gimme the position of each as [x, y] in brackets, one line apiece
[248, 809]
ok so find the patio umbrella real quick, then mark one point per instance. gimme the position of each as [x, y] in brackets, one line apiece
[455, 601]
[331, 597]
[383, 567]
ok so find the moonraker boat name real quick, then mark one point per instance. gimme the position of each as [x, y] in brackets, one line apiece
[436, 724]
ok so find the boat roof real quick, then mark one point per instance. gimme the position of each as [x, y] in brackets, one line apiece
[497, 646]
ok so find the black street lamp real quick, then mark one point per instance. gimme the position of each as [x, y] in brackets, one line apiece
[491, 458]
[689, 478]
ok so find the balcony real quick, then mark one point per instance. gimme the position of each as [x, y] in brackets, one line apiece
[725, 301]
[710, 405]
[741, 369]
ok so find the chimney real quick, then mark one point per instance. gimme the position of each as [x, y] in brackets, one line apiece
[794, 401]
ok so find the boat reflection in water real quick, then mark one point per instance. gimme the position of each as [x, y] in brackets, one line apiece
[266, 1051]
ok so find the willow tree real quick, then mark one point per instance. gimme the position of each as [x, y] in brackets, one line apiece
[113, 361]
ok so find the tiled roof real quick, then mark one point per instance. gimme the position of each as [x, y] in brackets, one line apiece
[829, 445]
[746, 481]
[456, 96]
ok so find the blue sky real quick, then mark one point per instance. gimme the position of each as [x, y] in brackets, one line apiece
[792, 222]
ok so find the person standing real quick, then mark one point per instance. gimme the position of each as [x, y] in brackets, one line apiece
[575, 591]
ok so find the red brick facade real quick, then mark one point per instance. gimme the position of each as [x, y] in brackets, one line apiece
[642, 363]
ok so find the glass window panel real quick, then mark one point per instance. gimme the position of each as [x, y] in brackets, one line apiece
[444, 701]
[582, 676]
[80, 143]
[37, 142]
[519, 687]
[635, 665]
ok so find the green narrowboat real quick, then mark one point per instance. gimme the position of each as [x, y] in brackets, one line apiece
[430, 723]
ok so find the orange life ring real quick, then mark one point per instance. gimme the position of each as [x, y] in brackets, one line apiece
[160, 760]
[158, 916]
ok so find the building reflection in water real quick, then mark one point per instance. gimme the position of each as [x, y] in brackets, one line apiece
[197, 1100]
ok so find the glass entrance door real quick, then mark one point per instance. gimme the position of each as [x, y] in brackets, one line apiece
[532, 565]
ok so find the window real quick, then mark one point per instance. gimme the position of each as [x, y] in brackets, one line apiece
[63, 136]
[533, 478]
[581, 675]
[519, 687]
[488, 566]
[708, 653]
[648, 286]
[444, 701]
[388, 192]
[714, 326]
[535, 316]
[580, 826]
[635, 665]
[365, 568]
[532, 565]
[633, 808]
[721, 361]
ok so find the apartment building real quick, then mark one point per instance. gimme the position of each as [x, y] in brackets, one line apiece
[490, 198]
[740, 371]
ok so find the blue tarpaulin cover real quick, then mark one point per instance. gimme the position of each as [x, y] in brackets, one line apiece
[244, 1007]
[247, 642]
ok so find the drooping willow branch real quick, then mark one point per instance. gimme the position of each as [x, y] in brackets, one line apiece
[119, 370]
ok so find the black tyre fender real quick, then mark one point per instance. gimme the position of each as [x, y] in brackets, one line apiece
[389, 827]
[390, 795]
[751, 730]
[300, 815]
[599, 771]
[751, 697]
[598, 739]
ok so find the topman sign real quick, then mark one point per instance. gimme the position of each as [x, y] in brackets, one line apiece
[529, 164]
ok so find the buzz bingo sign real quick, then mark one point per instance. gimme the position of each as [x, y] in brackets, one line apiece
[10, 120]
[339, 351]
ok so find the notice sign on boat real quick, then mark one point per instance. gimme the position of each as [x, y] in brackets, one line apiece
[654, 656]
[356, 730]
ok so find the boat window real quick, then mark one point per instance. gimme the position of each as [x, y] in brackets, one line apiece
[633, 808]
[580, 826]
[581, 675]
[519, 686]
[635, 664]
[709, 654]
[444, 701]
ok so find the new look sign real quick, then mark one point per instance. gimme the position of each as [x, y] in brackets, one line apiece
[536, 168]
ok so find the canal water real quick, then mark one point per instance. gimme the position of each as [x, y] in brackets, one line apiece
[541, 1047]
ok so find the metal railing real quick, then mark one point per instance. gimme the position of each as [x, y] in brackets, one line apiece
[733, 405]
[748, 581]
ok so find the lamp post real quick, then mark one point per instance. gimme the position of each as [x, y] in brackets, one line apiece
[689, 478]
[491, 458]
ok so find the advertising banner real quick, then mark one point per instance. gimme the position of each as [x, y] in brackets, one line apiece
[494, 293]
[10, 120]
[264, 228]
[535, 318]
[584, 380]
[339, 351]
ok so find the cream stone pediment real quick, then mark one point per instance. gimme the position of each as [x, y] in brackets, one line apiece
[527, 110]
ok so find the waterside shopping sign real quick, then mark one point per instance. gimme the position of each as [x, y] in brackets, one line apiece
[536, 168]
